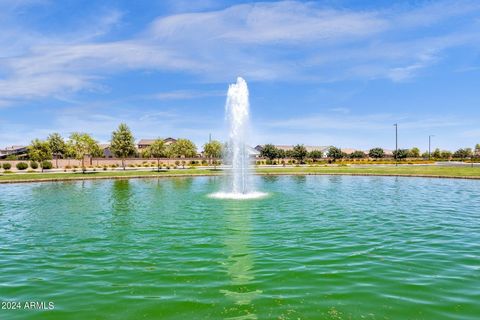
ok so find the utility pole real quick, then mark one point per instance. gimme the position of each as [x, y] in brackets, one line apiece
[429, 146]
[396, 143]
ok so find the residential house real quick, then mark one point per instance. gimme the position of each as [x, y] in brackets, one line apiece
[19, 151]
[145, 143]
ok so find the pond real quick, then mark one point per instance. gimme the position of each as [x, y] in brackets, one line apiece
[316, 247]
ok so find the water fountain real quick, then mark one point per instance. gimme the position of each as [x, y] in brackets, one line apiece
[238, 185]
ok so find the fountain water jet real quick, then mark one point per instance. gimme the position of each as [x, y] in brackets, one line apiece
[237, 115]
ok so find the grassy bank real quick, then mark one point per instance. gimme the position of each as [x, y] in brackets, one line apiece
[426, 171]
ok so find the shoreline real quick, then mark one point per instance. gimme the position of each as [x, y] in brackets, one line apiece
[87, 177]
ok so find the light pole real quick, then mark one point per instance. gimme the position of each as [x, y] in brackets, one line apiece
[429, 146]
[396, 143]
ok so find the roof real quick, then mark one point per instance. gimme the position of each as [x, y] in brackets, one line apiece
[148, 142]
[13, 148]
[309, 148]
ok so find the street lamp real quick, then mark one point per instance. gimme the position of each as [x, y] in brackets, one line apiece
[429, 145]
[396, 143]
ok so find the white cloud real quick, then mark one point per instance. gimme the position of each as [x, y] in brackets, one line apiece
[270, 41]
[186, 94]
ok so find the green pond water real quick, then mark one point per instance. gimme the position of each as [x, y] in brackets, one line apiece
[316, 247]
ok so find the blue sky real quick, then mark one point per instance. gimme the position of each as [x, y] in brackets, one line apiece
[319, 73]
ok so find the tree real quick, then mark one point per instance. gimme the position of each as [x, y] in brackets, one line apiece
[358, 155]
[299, 152]
[157, 150]
[281, 154]
[376, 153]
[315, 154]
[80, 145]
[335, 153]
[289, 153]
[39, 151]
[463, 153]
[477, 150]
[213, 149]
[183, 148]
[445, 155]
[437, 154]
[269, 151]
[414, 153]
[122, 143]
[57, 145]
[400, 154]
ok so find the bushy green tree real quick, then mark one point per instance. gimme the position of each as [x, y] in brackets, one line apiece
[281, 154]
[57, 145]
[39, 151]
[477, 150]
[122, 143]
[400, 154]
[213, 149]
[183, 148]
[463, 153]
[315, 154]
[414, 153]
[158, 150]
[335, 153]
[358, 154]
[299, 152]
[445, 154]
[80, 145]
[437, 154]
[376, 153]
[269, 151]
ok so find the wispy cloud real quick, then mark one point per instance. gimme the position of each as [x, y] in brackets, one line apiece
[272, 41]
[186, 95]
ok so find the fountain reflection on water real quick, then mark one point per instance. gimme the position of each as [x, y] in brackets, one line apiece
[237, 113]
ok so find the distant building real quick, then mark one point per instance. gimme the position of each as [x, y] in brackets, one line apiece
[18, 151]
[253, 152]
[105, 147]
[145, 143]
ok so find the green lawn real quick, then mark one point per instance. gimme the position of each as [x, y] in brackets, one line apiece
[381, 170]
[370, 170]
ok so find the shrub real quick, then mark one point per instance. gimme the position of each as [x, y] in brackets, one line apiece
[22, 165]
[68, 167]
[47, 164]
[177, 163]
[7, 171]
[6, 166]
[33, 164]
